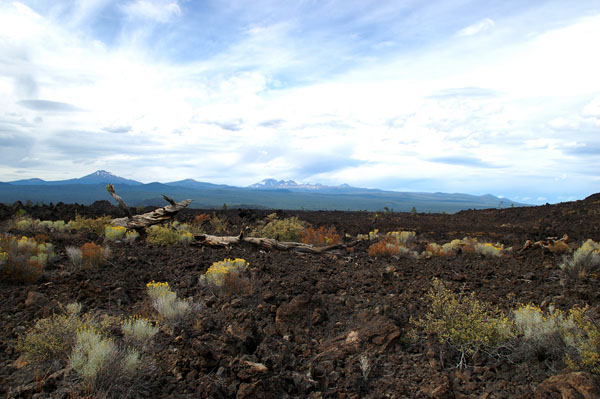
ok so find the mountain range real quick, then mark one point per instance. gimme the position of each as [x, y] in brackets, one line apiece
[269, 193]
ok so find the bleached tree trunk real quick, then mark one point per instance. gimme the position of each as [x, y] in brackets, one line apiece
[157, 216]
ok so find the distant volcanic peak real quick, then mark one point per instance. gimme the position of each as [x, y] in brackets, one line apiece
[291, 184]
[102, 174]
[272, 183]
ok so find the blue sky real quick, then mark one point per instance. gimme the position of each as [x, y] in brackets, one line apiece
[499, 97]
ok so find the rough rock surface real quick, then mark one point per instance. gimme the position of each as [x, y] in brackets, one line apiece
[309, 326]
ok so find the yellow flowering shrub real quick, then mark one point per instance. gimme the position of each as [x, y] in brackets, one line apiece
[53, 337]
[583, 341]
[107, 367]
[171, 309]
[158, 289]
[404, 237]
[489, 249]
[23, 259]
[217, 271]
[131, 236]
[114, 233]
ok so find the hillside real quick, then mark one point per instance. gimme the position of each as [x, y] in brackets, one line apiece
[309, 326]
[270, 194]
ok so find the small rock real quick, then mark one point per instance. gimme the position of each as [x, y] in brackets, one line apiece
[35, 299]
[318, 317]
[529, 276]
[120, 297]
[250, 391]
[352, 338]
[20, 362]
[443, 390]
[256, 367]
[577, 385]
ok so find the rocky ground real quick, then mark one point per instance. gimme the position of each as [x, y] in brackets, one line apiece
[312, 326]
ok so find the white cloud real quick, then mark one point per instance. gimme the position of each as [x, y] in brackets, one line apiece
[478, 27]
[157, 10]
[592, 108]
[478, 115]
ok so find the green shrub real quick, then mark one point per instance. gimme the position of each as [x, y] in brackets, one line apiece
[219, 224]
[584, 261]
[95, 226]
[168, 235]
[107, 368]
[288, 229]
[394, 243]
[48, 225]
[24, 223]
[583, 342]
[52, 338]
[462, 322]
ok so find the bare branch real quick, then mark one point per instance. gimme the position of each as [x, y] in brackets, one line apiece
[111, 190]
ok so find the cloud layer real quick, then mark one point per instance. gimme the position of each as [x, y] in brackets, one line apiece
[437, 96]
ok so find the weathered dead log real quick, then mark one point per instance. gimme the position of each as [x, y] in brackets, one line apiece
[157, 216]
[269, 243]
[111, 190]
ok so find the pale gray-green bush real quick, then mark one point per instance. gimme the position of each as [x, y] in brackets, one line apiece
[106, 369]
[173, 310]
[75, 256]
[584, 261]
[539, 334]
[138, 331]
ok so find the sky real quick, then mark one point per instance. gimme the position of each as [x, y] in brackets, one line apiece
[467, 96]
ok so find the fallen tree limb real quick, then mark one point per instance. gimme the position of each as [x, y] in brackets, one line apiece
[111, 190]
[269, 243]
[157, 216]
